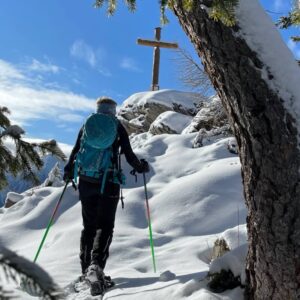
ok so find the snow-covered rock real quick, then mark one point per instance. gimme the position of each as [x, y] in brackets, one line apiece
[232, 146]
[233, 260]
[140, 110]
[170, 122]
[210, 121]
[205, 137]
[12, 198]
[54, 177]
[167, 276]
[210, 116]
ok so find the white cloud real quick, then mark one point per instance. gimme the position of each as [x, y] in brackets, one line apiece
[71, 118]
[294, 48]
[94, 57]
[41, 67]
[29, 101]
[8, 72]
[129, 64]
[83, 51]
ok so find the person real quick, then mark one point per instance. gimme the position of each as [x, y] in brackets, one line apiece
[99, 208]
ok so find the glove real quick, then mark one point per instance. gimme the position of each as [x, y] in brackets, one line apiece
[68, 172]
[143, 167]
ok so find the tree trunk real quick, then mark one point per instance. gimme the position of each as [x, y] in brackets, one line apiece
[267, 138]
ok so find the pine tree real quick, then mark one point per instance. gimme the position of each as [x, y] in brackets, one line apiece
[26, 157]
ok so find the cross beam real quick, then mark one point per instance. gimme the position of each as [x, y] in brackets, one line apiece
[157, 44]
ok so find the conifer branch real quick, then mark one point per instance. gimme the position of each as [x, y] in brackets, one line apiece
[32, 277]
[131, 5]
[224, 11]
[4, 121]
[221, 10]
[51, 147]
[27, 157]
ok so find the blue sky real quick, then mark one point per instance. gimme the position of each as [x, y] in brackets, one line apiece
[57, 57]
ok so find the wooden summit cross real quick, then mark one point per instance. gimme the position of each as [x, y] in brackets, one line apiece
[157, 44]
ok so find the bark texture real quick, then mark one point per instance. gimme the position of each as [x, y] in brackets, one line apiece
[267, 140]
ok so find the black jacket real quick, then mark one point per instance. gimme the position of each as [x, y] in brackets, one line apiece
[122, 141]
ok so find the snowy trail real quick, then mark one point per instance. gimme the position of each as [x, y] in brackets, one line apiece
[194, 195]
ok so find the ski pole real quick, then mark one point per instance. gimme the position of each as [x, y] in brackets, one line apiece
[149, 223]
[50, 222]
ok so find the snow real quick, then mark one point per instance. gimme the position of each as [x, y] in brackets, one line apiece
[233, 260]
[14, 197]
[175, 121]
[13, 130]
[164, 97]
[232, 145]
[193, 196]
[261, 35]
[55, 177]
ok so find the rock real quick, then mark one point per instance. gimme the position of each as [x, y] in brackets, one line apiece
[203, 137]
[211, 116]
[12, 198]
[140, 110]
[220, 248]
[167, 276]
[225, 280]
[170, 122]
[232, 146]
[228, 271]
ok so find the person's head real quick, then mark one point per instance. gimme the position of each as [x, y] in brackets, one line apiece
[106, 105]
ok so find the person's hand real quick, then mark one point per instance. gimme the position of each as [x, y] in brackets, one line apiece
[143, 167]
[68, 172]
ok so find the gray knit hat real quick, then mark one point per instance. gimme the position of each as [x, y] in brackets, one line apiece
[106, 105]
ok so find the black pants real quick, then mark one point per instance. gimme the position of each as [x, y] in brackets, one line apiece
[98, 214]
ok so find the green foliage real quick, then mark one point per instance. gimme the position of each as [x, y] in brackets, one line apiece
[221, 10]
[26, 157]
[163, 18]
[292, 19]
[112, 5]
[224, 11]
[187, 5]
[295, 39]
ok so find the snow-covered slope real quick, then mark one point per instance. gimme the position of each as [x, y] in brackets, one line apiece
[195, 194]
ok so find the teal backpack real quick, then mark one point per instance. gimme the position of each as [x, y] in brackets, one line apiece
[95, 156]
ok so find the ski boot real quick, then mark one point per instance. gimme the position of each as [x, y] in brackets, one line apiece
[96, 281]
